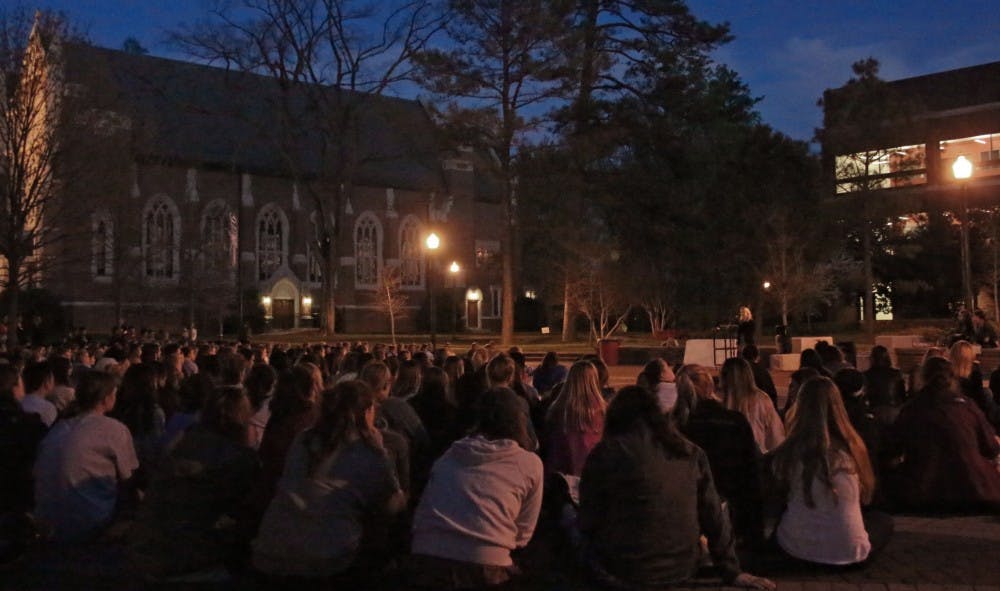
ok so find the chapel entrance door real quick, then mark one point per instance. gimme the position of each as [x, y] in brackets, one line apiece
[283, 311]
[472, 313]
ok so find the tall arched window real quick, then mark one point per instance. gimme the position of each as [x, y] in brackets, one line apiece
[102, 254]
[314, 258]
[161, 234]
[367, 250]
[410, 254]
[272, 241]
[219, 233]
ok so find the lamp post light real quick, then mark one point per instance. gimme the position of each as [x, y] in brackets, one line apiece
[454, 269]
[962, 169]
[433, 243]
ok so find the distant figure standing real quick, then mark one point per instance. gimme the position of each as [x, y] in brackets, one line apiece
[745, 329]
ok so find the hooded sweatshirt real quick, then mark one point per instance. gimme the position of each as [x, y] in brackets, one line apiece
[482, 501]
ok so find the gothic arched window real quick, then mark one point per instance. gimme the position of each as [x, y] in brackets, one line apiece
[102, 253]
[367, 250]
[272, 241]
[161, 239]
[410, 253]
[218, 238]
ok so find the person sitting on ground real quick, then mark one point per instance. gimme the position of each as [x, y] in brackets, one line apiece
[915, 378]
[824, 468]
[482, 501]
[832, 357]
[983, 333]
[403, 435]
[137, 409]
[658, 378]
[436, 408]
[970, 380]
[950, 453]
[809, 363]
[260, 389]
[761, 376]
[739, 393]
[575, 421]
[194, 391]
[337, 476]
[727, 439]
[62, 394]
[39, 383]
[644, 472]
[500, 374]
[548, 374]
[20, 434]
[884, 386]
[204, 477]
[84, 464]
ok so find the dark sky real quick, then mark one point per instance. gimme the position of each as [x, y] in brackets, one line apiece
[787, 51]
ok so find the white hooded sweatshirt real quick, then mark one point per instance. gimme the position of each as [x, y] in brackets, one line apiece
[482, 501]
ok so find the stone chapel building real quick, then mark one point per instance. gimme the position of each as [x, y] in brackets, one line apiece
[188, 210]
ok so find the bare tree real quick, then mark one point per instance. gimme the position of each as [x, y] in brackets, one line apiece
[600, 295]
[31, 145]
[325, 56]
[389, 297]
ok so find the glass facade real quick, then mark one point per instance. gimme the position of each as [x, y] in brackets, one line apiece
[902, 166]
[982, 150]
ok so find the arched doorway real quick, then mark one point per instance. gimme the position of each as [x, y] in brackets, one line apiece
[284, 305]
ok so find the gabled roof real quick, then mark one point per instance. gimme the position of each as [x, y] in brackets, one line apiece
[192, 113]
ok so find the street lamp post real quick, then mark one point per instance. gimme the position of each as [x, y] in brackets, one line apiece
[432, 243]
[454, 269]
[962, 169]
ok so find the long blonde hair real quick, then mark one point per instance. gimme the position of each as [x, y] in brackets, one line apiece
[580, 405]
[963, 358]
[819, 433]
[739, 390]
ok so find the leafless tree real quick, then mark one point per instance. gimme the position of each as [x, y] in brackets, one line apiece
[326, 56]
[389, 297]
[31, 148]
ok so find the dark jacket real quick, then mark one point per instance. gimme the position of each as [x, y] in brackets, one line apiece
[643, 507]
[884, 386]
[763, 379]
[949, 452]
[20, 434]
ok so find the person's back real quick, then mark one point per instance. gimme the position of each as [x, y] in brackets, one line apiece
[950, 455]
[830, 529]
[80, 464]
[630, 480]
[727, 439]
[20, 435]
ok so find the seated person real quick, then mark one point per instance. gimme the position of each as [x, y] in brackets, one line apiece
[950, 452]
[20, 434]
[824, 469]
[336, 476]
[83, 463]
[482, 501]
[202, 478]
[645, 472]
[726, 437]
[983, 333]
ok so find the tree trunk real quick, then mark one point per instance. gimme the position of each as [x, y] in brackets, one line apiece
[568, 332]
[869, 269]
[329, 311]
[13, 303]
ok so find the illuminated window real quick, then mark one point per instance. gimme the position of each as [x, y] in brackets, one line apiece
[881, 169]
[486, 252]
[161, 239]
[982, 150]
[494, 304]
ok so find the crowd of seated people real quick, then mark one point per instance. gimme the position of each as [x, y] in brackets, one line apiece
[350, 464]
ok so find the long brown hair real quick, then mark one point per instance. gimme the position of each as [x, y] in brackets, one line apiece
[739, 390]
[580, 405]
[819, 434]
[344, 418]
